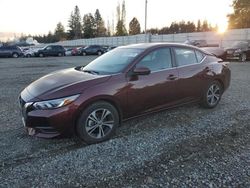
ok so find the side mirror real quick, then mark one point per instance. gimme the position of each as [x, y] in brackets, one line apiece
[141, 71]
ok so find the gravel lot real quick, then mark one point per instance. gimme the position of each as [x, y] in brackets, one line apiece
[184, 147]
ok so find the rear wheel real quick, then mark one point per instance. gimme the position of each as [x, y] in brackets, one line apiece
[98, 122]
[15, 55]
[41, 55]
[243, 57]
[212, 95]
[99, 53]
[84, 53]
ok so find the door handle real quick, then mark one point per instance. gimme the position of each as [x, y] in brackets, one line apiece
[207, 69]
[171, 77]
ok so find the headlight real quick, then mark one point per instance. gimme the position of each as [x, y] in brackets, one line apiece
[238, 51]
[56, 103]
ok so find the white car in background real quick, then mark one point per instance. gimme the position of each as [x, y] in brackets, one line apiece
[30, 52]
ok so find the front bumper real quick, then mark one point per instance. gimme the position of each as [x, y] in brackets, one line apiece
[233, 56]
[47, 123]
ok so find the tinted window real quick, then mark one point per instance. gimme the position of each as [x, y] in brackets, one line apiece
[199, 55]
[157, 60]
[185, 56]
[49, 48]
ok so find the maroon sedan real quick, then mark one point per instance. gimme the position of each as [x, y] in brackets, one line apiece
[126, 82]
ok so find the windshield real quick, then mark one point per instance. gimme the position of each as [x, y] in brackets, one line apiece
[113, 62]
[240, 45]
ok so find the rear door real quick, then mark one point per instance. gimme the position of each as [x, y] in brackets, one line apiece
[194, 73]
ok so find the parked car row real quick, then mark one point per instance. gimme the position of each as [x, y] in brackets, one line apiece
[239, 50]
[89, 50]
[53, 50]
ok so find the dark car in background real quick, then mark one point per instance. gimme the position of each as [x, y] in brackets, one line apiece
[217, 51]
[51, 50]
[130, 81]
[93, 50]
[10, 51]
[239, 50]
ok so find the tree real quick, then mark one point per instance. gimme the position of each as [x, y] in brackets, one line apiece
[100, 30]
[60, 32]
[121, 22]
[88, 26]
[198, 28]
[134, 27]
[75, 25]
[241, 16]
[204, 26]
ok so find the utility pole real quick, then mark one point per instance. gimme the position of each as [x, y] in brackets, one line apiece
[146, 15]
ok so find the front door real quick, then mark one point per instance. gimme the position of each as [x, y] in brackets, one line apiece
[156, 90]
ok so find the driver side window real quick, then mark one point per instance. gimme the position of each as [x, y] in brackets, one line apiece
[157, 60]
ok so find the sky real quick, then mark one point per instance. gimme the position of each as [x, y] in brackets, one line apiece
[41, 16]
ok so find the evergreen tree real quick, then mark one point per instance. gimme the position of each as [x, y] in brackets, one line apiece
[60, 32]
[134, 27]
[75, 25]
[204, 26]
[100, 30]
[88, 26]
[121, 15]
[241, 16]
[198, 29]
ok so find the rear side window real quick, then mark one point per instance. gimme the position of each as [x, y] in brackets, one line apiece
[199, 56]
[185, 56]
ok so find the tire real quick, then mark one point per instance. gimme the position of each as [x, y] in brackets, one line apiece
[93, 127]
[60, 54]
[243, 57]
[15, 55]
[41, 55]
[28, 55]
[212, 95]
[84, 53]
[99, 53]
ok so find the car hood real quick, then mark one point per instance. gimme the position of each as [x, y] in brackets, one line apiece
[63, 83]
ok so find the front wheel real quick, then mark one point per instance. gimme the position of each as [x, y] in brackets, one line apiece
[97, 122]
[84, 53]
[99, 53]
[212, 95]
[243, 57]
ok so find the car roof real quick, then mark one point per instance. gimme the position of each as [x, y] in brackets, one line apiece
[145, 46]
[149, 45]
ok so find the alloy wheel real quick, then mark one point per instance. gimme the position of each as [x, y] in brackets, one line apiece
[213, 94]
[99, 123]
[243, 57]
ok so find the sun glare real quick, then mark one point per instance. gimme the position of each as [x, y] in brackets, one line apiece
[222, 28]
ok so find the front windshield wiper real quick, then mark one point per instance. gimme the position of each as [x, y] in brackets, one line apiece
[90, 71]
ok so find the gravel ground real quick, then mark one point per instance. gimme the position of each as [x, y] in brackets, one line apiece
[183, 147]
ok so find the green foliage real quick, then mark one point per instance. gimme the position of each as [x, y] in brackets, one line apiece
[100, 30]
[75, 24]
[183, 27]
[121, 22]
[241, 16]
[134, 27]
[60, 32]
[88, 26]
